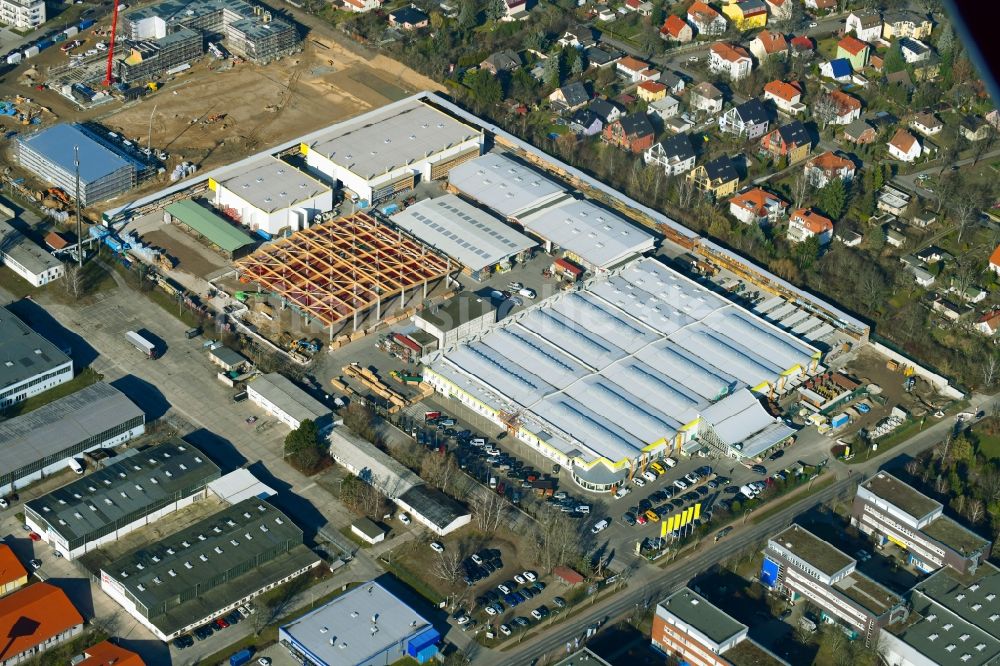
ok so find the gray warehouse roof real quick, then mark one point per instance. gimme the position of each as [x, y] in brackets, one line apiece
[473, 237]
[395, 136]
[125, 491]
[433, 505]
[24, 251]
[62, 424]
[289, 398]
[462, 308]
[271, 185]
[24, 353]
[347, 622]
[504, 185]
[697, 612]
[56, 144]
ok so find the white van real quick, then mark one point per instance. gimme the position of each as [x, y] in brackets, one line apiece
[669, 462]
[599, 527]
[75, 465]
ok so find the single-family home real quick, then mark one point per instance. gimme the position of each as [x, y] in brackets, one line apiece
[926, 123]
[602, 57]
[705, 20]
[866, 24]
[923, 219]
[949, 310]
[847, 109]
[361, 6]
[780, 10]
[633, 133]
[821, 5]
[860, 132]
[717, 178]
[895, 237]
[904, 146]
[585, 122]
[606, 110]
[631, 68]
[606, 15]
[821, 169]
[678, 124]
[849, 237]
[768, 43]
[516, 10]
[906, 23]
[676, 29]
[749, 120]
[640, 7]
[973, 128]
[838, 69]
[665, 107]
[650, 91]
[971, 294]
[408, 18]
[892, 201]
[932, 254]
[675, 84]
[501, 61]
[791, 141]
[922, 276]
[757, 206]
[802, 46]
[705, 97]
[786, 96]
[854, 50]
[989, 322]
[914, 50]
[994, 263]
[746, 14]
[805, 224]
[675, 155]
[729, 59]
[579, 37]
[570, 97]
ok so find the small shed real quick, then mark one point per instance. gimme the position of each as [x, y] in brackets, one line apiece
[567, 575]
[226, 358]
[368, 531]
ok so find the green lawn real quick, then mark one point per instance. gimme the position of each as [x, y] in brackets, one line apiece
[86, 377]
[989, 445]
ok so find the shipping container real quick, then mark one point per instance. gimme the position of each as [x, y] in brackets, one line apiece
[840, 420]
[31, 52]
[86, 23]
[71, 31]
[241, 657]
[59, 37]
[44, 44]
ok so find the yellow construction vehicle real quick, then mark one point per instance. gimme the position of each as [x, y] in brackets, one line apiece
[153, 85]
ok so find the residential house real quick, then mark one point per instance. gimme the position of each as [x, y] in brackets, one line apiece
[821, 5]
[780, 10]
[926, 123]
[717, 178]
[665, 107]
[675, 84]
[585, 122]
[676, 29]
[733, 61]
[579, 37]
[860, 132]
[606, 15]
[949, 310]
[675, 155]
[927, 68]
[901, 79]
[905, 23]
[932, 254]
[791, 141]
[650, 91]
[678, 124]
[758, 207]
[705, 97]
[408, 18]
[854, 50]
[838, 69]
[361, 6]
[866, 24]
[994, 263]
[922, 277]
[601, 57]
[516, 10]
[786, 96]
[640, 7]
[607, 111]
[892, 201]
[705, 20]
[34, 619]
[768, 43]
[749, 120]
[847, 108]
[923, 219]
[820, 170]
[850, 238]
[805, 224]
[904, 146]
[974, 128]
[988, 323]
[914, 50]
[746, 14]
[802, 47]
[633, 133]
[631, 68]
[501, 61]
[570, 97]
[895, 237]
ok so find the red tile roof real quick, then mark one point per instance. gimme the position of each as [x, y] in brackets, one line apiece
[852, 45]
[632, 64]
[33, 615]
[673, 26]
[830, 161]
[995, 257]
[773, 42]
[55, 241]
[845, 103]
[11, 568]
[729, 52]
[787, 91]
[702, 12]
[813, 221]
[905, 141]
[652, 86]
[106, 653]
[569, 575]
[803, 43]
[756, 200]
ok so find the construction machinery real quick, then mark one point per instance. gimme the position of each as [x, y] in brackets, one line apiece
[59, 195]
[243, 296]
[214, 118]
[405, 379]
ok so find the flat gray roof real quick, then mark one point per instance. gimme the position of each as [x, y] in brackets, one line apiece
[975, 598]
[371, 464]
[228, 356]
[813, 550]
[433, 505]
[23, 352]
[955, 535]
[24, 251]
[697, 612]
[125, 491]
[457, 311]
[396, 136]
[63, 424]
[56, 144]
[368, 527]
[503, 184]
[937, 632]
[271, 185]
[471, 236]
[906, 497]
[346, 621]
[279, 390]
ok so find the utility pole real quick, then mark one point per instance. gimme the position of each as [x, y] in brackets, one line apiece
[79, 220]
[149, 136]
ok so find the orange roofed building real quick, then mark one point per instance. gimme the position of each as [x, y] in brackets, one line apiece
[107, 653]
[34, 619]
[13, 575]
[995, 260]
[805, 223]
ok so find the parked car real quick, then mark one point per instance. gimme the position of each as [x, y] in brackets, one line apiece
[759, 469]
[505, 630]
[559, 602]
[437, 547]
[628, 518]
[519, 579]
[600, 526]
[680, 485]
[526, 292]
[777, 454]
[531, 576]
[638, 480]
[649, 476]
[405, 519]
[35, 564]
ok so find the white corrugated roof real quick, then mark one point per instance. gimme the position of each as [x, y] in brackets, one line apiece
[504, 185]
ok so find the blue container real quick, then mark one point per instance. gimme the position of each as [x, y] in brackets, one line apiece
[839, 420]
[60, 37]
[44, 44]
[86, 23]
[263, 234]
[241, 657]
[390, 209]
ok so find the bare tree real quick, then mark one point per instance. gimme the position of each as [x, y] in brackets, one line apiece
[974, 510]
[964, 211]
[989, 483]
[73, 280]
[363, 496]
[488, 509]
[800, 188]
[448, 565]
[989, 367]
[825, 110]
[941, 485]
[685, 191]
[912, 467]
[966, 274]
[872, 288]
[438, 470]
[556, 540]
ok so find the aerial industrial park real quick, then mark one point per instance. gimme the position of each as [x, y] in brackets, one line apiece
[317, 353]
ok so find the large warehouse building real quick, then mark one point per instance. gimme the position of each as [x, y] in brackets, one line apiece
[285, 401]
[40, 442]
[124, 496]
[30, 363]
[473, 237]
[382, 153]
[199, 573]
[505, 185]
[104, 173]
[575, 377]
[272, 196]
[368, 626]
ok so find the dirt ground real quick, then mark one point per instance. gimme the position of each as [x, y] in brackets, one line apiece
[188, 259]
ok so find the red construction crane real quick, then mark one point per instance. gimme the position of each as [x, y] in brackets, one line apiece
[109, 78]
